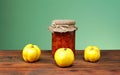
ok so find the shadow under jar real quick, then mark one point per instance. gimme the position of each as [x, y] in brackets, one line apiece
[63, 34]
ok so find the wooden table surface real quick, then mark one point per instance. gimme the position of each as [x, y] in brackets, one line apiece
[11, 63]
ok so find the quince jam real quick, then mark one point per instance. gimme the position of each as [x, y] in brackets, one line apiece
[63, 40]
[63, 34]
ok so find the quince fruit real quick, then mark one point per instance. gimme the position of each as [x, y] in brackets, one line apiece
[31, 53]
[64, 57]
[92, 53]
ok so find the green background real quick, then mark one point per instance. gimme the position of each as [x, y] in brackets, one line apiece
[27, 21]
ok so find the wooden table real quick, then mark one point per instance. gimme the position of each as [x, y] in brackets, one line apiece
[11, 63]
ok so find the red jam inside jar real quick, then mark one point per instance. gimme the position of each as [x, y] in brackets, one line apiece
[63, 34]
[63, 40]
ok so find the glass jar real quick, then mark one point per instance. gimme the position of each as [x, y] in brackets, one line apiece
[63, 34]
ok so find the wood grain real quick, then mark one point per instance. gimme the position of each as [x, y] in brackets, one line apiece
[11, 63]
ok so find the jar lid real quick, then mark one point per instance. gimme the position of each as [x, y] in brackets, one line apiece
[62, 26]
[63, 22]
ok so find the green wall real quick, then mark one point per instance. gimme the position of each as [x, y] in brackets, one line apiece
[27, 21]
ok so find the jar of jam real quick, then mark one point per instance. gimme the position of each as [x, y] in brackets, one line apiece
[63, 34]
